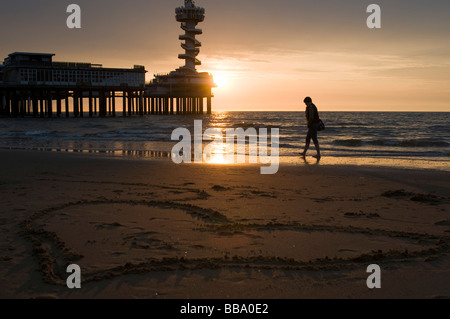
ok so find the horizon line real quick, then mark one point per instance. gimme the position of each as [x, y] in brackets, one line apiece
[367, 111]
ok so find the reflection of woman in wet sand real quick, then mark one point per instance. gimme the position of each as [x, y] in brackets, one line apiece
[312, 118]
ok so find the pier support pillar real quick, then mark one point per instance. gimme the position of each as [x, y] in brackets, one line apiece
[141, 103]
[75, 104]
[209, 105]
[81, 104]
[67, 104]
[7, 105]
[41, 106]
[201, 105]
[2, 110]
[58, 106]
[102, 107]
[109, 100]
[124, 103]
[14, 105]
[35, 105]
[27, 104]
[194, 106]
[183, 105]
[30, 103]
[91, 104]
[49, 104]
[145, 105]
[113, 99]
[130, 103]
[22, 104]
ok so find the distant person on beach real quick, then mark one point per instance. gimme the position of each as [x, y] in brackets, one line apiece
[312, 118]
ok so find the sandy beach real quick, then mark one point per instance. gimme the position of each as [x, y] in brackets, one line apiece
[153, 229]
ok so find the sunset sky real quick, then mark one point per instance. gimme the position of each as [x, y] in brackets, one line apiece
[267, 55]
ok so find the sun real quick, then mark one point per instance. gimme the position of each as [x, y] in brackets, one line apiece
[220, 79]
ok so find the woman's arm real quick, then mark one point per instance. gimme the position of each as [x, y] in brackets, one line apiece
[310, 115]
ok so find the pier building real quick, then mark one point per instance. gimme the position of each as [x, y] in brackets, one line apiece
[33, 84]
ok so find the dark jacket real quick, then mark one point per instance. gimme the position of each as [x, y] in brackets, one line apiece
[312, 115]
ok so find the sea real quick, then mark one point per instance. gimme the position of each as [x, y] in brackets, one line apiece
[386, 139]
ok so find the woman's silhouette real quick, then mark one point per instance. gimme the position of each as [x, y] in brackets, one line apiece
[312, 118]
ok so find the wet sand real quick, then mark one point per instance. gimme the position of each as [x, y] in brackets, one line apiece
[153, 229]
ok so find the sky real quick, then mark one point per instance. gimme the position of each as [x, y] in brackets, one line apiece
[265, 55]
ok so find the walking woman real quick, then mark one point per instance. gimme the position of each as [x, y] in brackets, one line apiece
[312, 118]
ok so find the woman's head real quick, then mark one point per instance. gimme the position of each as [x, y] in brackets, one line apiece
[307, 100]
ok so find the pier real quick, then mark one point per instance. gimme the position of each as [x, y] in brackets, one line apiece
[32, 84]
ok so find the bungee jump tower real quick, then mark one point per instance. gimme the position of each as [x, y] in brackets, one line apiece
[184, 90]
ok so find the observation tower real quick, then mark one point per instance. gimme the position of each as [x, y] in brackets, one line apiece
[190, 16]
[183, 91]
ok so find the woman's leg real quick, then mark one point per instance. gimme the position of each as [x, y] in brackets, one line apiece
[307, 142]
[313, 132]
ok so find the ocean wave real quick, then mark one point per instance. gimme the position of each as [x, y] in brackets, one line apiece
[28, 133]
[8, 133]
[443, 128]
[348, 142]
[390, 143]
[423, 143]
[39, 133]
[134, 132]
